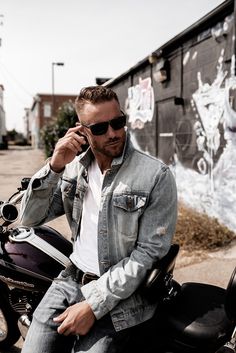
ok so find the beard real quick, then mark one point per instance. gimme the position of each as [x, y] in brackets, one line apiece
[111, 148]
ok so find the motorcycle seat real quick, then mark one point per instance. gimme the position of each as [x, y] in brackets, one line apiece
[230, 302]
[203, 316]
[159, 280]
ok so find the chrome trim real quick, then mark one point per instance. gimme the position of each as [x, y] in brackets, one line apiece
[28, 235]
[20, 284]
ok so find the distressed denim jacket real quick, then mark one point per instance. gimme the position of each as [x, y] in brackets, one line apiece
[137, 221]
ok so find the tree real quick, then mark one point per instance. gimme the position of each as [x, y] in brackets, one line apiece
[66, 118]
[12, 134]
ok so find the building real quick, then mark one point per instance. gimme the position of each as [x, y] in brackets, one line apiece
[181, 107]
[3, 131]
[42, 112]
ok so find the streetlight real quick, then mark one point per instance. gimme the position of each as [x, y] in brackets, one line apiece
[54, 64]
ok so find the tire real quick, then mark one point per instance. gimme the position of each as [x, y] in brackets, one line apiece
[9, 331]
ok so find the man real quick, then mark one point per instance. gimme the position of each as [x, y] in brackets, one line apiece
[121, 206]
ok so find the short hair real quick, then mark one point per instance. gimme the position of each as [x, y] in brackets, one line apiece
[94, 95]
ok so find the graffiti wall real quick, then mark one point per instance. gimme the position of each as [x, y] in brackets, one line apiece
[189, 120]
[140, 103]
[209, 184]
[139, 106]
[212, 187]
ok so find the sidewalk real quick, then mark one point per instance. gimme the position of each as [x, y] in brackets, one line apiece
[17, 163]
[214, 268]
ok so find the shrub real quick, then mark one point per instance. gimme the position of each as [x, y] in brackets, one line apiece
[51, 133]
[198, 231]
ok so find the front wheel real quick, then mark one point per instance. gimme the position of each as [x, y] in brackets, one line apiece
[9, 331]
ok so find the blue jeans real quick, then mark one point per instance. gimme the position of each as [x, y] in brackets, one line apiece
[42, 336]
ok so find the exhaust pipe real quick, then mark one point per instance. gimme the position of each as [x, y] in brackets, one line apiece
[8, 214]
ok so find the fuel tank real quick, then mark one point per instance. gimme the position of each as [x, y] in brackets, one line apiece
[31, 257]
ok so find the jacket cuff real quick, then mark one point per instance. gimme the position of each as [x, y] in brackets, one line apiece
[44, 177]
[94, 298]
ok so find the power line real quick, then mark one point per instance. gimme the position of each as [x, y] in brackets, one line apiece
[8, 73]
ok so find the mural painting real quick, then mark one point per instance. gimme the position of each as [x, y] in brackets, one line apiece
[140, 103]
[212, 187]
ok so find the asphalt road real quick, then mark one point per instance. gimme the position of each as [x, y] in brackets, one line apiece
[214, 268]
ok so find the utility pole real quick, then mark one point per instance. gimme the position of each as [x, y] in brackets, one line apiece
[53, 88]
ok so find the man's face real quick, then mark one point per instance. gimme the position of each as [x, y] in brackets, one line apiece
[110, 144]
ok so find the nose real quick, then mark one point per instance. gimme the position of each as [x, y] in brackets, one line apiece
[111, 132]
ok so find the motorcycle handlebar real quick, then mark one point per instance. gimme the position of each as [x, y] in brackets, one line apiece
[8, 214]
[8, 210]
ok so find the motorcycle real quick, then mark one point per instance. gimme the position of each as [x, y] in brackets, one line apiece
[30, 258]
[190, 317]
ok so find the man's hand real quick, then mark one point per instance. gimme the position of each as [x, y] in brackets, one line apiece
[76, 319]
[66, 149]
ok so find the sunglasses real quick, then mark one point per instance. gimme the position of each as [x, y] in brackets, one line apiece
[101, 128]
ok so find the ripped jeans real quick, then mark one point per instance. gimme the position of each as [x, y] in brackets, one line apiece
[43, 337]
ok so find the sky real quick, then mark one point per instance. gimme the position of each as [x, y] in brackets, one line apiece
[93, 38]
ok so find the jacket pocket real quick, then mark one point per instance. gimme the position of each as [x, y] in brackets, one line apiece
[68, 187]
[129, 203]
[127, 210]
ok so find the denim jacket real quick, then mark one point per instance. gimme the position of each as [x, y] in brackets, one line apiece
[136, 224]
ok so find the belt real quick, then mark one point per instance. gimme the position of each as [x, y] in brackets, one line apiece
[80, 276]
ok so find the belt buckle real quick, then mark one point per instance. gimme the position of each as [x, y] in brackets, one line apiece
[87, 277]
[83, 279]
